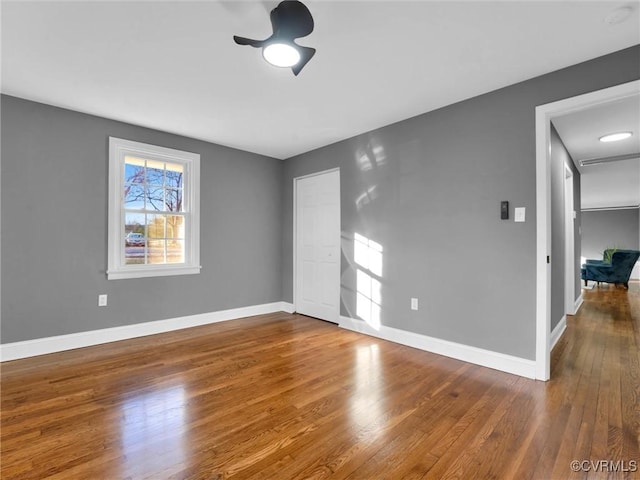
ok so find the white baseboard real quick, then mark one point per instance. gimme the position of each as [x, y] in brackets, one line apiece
[42, 346]
[558, 331]
[287, 307]
[466, 353]
[578, 304]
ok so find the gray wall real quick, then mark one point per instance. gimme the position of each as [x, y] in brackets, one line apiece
[609, 228]
[54, 226]
[559, 158]
[431, 198]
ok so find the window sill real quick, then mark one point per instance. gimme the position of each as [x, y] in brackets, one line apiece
[160, 271]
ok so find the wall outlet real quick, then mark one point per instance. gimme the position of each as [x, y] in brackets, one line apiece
[102, 300]
[414, 304]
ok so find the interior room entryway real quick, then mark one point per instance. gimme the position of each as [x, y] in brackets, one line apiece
[317, 245]
[544, 115]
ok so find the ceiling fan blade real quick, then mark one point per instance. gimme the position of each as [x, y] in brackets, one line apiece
[248, 41]
[291, 19]
[305, 55]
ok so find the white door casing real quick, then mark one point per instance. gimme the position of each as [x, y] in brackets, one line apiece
[569, 239]
[317, 245]
[544, 114]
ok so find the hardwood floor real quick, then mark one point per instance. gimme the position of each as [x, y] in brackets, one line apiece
[284, 397]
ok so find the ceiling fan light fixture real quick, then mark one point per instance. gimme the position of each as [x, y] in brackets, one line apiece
[281, 54]
[615, 137]
[291, 19]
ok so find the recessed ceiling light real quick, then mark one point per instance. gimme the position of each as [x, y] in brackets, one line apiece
[615, 137]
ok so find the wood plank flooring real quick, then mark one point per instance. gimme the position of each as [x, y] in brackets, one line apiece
[288, 397]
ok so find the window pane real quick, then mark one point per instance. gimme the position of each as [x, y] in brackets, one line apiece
[174, 175]
[155, 172]
[175, 226]
[173, 200]
[155, 226]
[155, 254]
[134, 256]
[134, 222]
[155, 199]
[133, 170]
[175, 251]
[156, 164]
[134, 196]
[134, 238]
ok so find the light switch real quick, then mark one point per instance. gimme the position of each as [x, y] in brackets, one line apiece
[504, 210]
[519, 214]
[414, 304]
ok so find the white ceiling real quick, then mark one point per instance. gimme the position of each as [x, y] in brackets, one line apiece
[613, 184]
[173, 66]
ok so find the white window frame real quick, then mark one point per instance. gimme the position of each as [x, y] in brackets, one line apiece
[118, 150]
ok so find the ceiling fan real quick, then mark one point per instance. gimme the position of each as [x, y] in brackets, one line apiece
[291, 19]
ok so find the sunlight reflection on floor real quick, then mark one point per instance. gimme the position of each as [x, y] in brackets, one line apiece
[153, 427]
[367, 402]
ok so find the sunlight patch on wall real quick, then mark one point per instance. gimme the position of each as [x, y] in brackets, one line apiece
[370, 156]
[366, 197]
[368, 257]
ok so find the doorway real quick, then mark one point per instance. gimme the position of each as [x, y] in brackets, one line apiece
[317, 245]
[544, 115]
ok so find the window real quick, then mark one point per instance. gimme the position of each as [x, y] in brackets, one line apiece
[153, 210]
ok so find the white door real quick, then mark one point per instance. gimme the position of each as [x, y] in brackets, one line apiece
[317, 245]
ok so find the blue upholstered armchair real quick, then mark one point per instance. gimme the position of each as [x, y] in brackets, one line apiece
[618, 271]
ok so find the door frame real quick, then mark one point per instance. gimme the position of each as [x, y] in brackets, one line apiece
[569, 243]
[544, 114]
[295, 232]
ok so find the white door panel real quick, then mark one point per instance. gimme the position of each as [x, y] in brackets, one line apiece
[317, 266]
